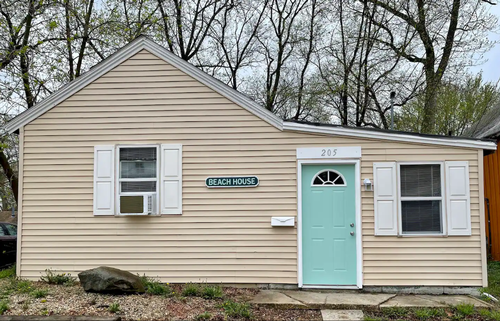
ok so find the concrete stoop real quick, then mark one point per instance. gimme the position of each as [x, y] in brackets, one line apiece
[288, 299]
[337, 315]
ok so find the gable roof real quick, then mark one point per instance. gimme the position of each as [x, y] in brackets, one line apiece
[144, 43]
[488, 126]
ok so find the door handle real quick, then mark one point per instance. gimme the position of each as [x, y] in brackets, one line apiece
[352, 224]
[352, 233]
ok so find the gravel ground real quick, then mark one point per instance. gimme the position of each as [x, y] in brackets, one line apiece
[72, 300]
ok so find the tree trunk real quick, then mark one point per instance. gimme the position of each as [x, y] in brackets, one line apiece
[429, 119]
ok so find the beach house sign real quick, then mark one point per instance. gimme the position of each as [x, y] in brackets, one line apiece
[232, 181]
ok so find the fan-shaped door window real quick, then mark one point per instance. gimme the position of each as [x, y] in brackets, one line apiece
[328, 177]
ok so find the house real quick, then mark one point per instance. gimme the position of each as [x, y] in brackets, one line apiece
[489, 127]
[146, 163]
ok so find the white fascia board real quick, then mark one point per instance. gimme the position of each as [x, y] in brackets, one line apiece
[340, 131]
[125, 53]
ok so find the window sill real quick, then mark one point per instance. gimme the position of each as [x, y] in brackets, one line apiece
[423, 235]
[141, 215]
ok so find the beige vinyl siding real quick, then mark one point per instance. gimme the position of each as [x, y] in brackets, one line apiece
[223, 235]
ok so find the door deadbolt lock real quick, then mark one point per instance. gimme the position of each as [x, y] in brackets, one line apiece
[352, 224]
[352, 233]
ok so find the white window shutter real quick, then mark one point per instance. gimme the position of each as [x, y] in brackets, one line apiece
[458, 198]
[171, 179]
[385, 197]
[104, 180]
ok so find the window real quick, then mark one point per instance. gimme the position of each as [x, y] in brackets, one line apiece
[328, 177]
[138, 179]
[421, 198]
[413, 199]
[11, 229]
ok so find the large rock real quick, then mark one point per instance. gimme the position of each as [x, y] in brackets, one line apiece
[110, 280]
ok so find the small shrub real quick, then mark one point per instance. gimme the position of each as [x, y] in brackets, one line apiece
[51, 277]
[114, 307]
[154, 287]
[191, 289]
[465, 309]
[203, 316]
[8, 273]
[237, 310]
[39, 293]
[212, 292]
[4, 306]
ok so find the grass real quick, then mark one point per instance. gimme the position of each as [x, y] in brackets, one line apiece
[114, 307]
[490, 314]
[191, 289]
[493, 279]
[8, 273]
[395, 313]
[39, 293]
[426, 313]
[465, 309]
[211, 292]
[237, 310]
[462, 312]
[203, 316]
[52, 277]
[4, 306]
[155, 287]
[23, 286]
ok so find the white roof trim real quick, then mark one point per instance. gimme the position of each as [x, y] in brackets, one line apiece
[352, 132]
[240, 99]
[120, 56]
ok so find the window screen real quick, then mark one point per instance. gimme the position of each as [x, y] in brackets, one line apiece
[138, 162]
[421, 216]
[421, 199]
[420, 180]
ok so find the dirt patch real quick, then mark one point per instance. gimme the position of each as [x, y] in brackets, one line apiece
[73, 301]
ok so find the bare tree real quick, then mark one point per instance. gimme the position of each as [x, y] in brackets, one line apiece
[235, 35]
[15, 45]
[186, 23]
[437, 30]
[279, 45]
[311, 41]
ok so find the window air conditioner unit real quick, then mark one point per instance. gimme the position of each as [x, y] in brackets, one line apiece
[140, 204]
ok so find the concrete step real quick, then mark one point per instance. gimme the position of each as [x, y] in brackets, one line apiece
[337, 315]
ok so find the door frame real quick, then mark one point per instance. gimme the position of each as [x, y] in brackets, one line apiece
[359, 247]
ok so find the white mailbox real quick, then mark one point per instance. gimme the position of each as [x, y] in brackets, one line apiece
[283, 221]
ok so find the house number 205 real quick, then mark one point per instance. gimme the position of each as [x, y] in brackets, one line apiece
[328, 152]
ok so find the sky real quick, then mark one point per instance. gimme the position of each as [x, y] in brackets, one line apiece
[491, 68]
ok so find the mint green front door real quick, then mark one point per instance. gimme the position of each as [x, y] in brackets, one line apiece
[328, 225]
